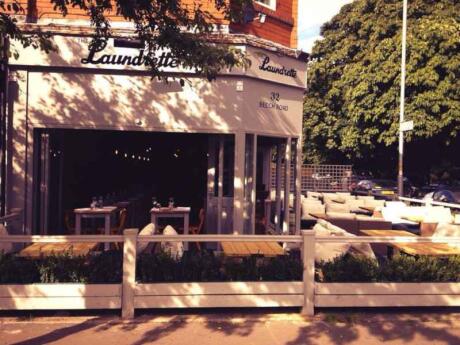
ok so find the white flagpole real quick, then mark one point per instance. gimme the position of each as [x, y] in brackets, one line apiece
[401, 103]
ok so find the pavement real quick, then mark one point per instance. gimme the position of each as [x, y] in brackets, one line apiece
[222, 327]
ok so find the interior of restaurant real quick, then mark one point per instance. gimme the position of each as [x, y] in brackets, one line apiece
[71, 167]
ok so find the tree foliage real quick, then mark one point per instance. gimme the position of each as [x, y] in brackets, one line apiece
[351, 109]
[158, 24]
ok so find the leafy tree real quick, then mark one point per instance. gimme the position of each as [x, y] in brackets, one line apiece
[159, 24]
[351, 108]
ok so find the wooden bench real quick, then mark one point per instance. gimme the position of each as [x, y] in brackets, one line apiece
[252, 248]
[37, 250]
[436, 249]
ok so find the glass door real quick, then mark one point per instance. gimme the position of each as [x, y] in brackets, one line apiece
[47, 183]
[219, 195]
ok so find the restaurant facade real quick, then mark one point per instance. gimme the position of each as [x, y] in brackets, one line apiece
[84, 123]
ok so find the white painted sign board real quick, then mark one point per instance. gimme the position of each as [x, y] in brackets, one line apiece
[406, 126]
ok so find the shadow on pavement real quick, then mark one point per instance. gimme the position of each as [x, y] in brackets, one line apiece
[330, 326]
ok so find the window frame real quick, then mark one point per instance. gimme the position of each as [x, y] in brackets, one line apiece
[271, 6]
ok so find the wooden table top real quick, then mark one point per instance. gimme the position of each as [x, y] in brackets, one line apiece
[437, 249]
[252, 248]
[415, 219]
[168, 210]
[388, 233]
[36, 250]
[368, 208]
[102, 210]
[318, 215]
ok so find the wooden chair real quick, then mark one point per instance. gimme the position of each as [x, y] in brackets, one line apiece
[117, 230]
[69, 224]
[197, 229]
[121, 224]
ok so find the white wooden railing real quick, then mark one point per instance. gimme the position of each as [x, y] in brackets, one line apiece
[430, 202]
[306, 294]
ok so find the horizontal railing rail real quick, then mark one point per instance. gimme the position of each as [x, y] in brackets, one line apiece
[225, 238]
[10, 217]
[430, 202]
[60, 239]
[387, 239]
[221, 238]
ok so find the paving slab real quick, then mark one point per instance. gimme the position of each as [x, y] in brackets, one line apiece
[230, 327]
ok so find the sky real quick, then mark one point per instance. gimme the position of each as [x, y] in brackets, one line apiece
[312, 14]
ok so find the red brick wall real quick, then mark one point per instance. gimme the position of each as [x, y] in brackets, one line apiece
[280, 26]
[45, 10]
[22, 4]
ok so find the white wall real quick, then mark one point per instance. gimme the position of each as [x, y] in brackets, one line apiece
[79, 98]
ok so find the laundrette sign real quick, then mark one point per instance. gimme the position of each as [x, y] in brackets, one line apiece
[164, 60]
[97, 57]
[267, 66]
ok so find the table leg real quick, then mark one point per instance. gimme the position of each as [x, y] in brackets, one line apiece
[154, 220]
[77, 224]
[107, 230]
[186, 229]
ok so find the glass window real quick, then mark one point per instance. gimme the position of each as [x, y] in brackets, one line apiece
[268, 3]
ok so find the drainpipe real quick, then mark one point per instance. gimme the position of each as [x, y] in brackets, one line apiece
[32, 11]
[4, 44]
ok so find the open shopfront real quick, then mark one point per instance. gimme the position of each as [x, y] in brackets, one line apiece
[84, 124]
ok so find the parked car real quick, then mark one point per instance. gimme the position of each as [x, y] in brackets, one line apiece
[356, 178]
[383, 189]
[444, 195]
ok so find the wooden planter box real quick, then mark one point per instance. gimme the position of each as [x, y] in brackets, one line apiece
[228, 294]
[219, 295]
[387, 294]
[60, 296]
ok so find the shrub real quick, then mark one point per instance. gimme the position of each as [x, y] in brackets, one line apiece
[283, 268]
[156, 268]
[106, 267]
[16, 270]
[349, 268]
[400, 268]
[405, 268]
[206, 267]
[242, 269]
[63, 268]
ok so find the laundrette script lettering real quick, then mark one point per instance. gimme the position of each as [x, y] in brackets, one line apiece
[265, 66]
[162, 61]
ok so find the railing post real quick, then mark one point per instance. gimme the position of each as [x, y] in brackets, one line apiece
[129, 273]
[308, 259]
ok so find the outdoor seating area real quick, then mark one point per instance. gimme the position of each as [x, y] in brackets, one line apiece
[329, 214]
[343, 214]
[353, 213]
[359, 212]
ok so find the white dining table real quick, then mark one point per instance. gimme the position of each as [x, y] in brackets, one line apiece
[105, 212]
[175, 212]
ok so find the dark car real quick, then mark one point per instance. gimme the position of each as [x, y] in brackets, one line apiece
[383, 189]
[356, 178]
[444, 195]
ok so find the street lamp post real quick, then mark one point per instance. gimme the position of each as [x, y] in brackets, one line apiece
[401, 103]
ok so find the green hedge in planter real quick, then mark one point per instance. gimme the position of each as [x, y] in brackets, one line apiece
[14, 270]
[206, 267]
[105, 267]
[401, 268]
[348, 268]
